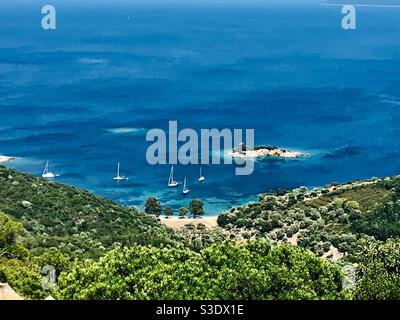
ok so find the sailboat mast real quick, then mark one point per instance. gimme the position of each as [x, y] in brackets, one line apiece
[171, 175]
[118, 170]
[46, 168]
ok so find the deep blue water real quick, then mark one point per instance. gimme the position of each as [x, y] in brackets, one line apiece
[290, 72]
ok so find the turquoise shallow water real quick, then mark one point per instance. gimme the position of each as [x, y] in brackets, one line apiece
[84, 95]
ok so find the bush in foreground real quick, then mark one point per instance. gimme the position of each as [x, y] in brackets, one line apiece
[228, 271]
[379, 270]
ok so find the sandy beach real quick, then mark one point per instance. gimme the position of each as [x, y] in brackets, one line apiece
[176, 223]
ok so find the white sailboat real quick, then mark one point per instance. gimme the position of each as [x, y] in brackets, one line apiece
[171, 182]
[201, 177]
[46, 173]
[119, 177]
[185, 190]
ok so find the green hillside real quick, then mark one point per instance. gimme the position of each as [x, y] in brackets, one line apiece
[265, 250]
[328, 220]
[73, 220]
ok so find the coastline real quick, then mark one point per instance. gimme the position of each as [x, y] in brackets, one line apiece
[5, 159]
[175, 222]
[266, 151]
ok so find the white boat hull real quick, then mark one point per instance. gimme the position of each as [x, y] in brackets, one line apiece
[173, 184]
[48, 175]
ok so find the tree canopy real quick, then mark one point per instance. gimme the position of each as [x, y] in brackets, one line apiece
[196, 207]
[378, 275]
[226, 271]
[152, 206]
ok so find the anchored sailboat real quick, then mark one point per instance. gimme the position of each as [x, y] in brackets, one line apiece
[171, 182]
[118, 177]
[46, 173]
[201, 177]
[185, 190]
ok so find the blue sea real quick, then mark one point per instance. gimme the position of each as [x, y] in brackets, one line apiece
[85, 94]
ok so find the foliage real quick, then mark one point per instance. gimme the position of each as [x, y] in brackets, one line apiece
[18, 267]
[183, 212]
[152, 206]
[197, 236]
[9, 233]
[196, 207]
[23, 276]
[225, 271]
[379, 270]
[321, 218]
[150, 261]
[168, 211]
[55, 215]
[383, 221]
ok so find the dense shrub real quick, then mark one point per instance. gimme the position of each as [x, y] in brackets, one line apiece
[378, 275]
[226, 271]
